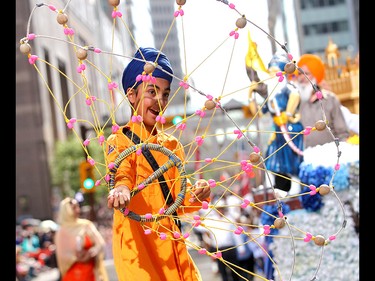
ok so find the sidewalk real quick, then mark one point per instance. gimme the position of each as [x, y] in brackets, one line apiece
[53, 273]
[203, 262]
[49, 275]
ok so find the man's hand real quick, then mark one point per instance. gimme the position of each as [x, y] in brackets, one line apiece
[201, 191]
[119, 197]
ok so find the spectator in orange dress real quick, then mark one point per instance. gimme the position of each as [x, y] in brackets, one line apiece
[79, 245]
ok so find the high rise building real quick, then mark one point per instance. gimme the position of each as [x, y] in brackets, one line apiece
[319, 21]
[162, 18]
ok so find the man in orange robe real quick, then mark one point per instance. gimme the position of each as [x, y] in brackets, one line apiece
[149, 249]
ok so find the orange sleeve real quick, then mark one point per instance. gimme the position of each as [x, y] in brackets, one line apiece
[187, 206]
[125, 174]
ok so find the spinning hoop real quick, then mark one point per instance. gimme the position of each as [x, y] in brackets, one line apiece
[173, 161]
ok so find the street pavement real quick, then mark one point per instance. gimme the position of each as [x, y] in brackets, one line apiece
[203, 262]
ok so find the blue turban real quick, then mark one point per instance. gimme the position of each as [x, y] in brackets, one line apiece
[135, 67]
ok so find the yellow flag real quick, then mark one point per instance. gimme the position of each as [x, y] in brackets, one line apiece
[253, 59]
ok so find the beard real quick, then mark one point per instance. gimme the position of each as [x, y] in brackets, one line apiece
[305, 90]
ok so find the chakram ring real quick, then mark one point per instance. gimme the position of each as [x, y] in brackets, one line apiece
[172, 161]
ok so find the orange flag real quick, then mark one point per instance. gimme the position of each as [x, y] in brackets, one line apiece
[253, 59]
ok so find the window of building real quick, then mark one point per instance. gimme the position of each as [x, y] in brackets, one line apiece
[51, 100]
[309, 4]
[325, 28]
[64, 92]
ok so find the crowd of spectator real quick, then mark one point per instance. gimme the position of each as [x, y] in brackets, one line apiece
[36, 249]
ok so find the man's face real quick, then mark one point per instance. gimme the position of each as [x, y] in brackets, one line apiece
[303, 84]
[302, 78]
[150, 100]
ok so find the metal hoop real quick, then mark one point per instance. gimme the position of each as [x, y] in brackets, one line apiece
[172, 162]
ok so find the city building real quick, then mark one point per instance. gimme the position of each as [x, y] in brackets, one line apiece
[40, 121]
[161, 24]
[319, 21]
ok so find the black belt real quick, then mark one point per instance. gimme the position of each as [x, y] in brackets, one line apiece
[155, 166]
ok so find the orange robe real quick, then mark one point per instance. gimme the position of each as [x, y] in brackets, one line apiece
[140, 256]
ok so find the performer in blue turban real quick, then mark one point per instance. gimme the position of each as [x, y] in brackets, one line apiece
[138, 256]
